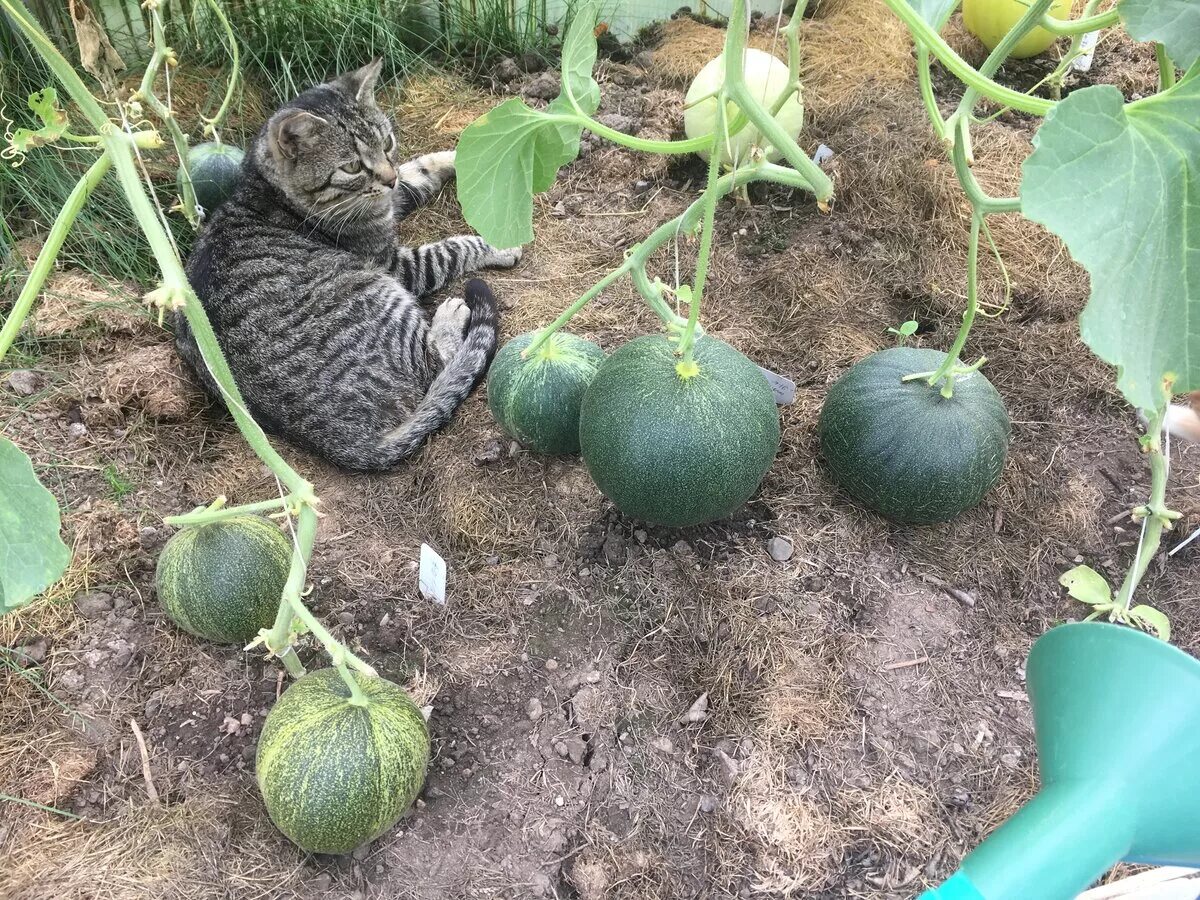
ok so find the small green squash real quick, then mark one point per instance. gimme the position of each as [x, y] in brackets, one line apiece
[334, 775]
[536, 400]
[904, 450]
[215, 169]
[675, 450]
[223, 581]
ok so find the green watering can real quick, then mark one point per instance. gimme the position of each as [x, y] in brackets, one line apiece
[1117, 717]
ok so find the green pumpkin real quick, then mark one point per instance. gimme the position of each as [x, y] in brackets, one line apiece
[537, 400]
[215, 170]
[905, 451]
[672, 449]
[334, 775]
[224, 581]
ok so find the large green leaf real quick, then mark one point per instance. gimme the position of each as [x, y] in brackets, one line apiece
[1173, 23]
[512, 152]
[32, 555]
[1120, 184]
[934, 12]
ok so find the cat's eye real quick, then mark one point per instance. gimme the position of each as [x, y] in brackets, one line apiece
[390, 144]
[353, 167]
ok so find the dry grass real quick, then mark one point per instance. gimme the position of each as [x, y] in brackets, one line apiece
[687, 46]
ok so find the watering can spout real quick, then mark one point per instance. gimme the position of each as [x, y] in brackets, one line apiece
[1117, 717]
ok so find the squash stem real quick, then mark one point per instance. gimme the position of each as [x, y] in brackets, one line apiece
[1056, 78]
[206, 515]
[357, 697]
[709, 211]
[1082, 25]
[928, 97]
[235, 70]
[945, 370]
[1166, 68]
[46, 256]
[1157, 517]
[923, 33]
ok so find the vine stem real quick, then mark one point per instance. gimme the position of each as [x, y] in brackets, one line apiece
[640, 255]
[1157, 517]
[1055, 79]
[960, 68]
[1166, 68]
[1082, 25]
[206, 515]
[686, 366]
[928, 97]
[176, 292]
[49, 252]
[235, 70]
[145, 93]
[1028, 21]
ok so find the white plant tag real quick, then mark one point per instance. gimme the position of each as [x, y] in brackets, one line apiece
[432, 576]
[784, 389]
[823, 153]
[1087, 44]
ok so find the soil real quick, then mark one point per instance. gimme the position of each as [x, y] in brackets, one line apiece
[618, 711]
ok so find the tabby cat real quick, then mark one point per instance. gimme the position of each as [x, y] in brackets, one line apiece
[314, 301]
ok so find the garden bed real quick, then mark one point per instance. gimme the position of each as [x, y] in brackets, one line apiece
[864, 720]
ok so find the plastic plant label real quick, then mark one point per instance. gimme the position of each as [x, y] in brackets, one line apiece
[1087, 47]
[823, 153]
[431, 576]
[784, 389]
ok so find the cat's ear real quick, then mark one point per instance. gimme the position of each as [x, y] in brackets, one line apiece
[360, 84]
[293, 131]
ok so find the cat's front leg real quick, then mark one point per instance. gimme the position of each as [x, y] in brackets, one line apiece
[431, 267]
[419, 180]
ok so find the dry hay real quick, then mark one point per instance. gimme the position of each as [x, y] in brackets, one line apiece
[855, 48]
[147, 379]
[789, 842]
[687, 45]
[433, 108]
[167, 852]
[73, 302]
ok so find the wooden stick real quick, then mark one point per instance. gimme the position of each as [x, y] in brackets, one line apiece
[141, 742]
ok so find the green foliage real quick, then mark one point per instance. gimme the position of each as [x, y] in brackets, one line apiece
[513, 152]
[44, 105]
[32, 555]
[119, 487]
[905, 331]
[1086, 585]
[1173, 23]
[935, 12]
[1118, 183]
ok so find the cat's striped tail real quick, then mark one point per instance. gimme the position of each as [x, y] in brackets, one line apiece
[452, 385]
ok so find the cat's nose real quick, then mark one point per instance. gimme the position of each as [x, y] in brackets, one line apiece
[388, 176]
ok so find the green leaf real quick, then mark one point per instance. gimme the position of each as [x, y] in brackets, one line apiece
[908, 329]
[44, 104]
[1173, 23]
[1121, 186]
[935, 12]
[32, 555]
[1153, 620]
[513, 152]
[1087, 585]
[579, 89]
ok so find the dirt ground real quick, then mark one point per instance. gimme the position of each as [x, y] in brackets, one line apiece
[859, 717]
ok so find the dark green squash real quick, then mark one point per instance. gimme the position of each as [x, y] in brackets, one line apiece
[223, 581]
[674, 450]
[905, 451]
[537, 400]
[215, 170]
[334, 775]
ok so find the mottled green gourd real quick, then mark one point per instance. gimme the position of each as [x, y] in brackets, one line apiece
[904, 450]
[334, 775]
[536, 400]
[223, 581]
[215, 169]
[674, 450]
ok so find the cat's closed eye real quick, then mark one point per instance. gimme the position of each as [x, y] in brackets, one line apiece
[389, 144]
[352, 168]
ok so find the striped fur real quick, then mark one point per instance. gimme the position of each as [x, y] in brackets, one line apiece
[314, 301]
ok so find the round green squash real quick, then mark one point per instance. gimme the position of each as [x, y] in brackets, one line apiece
[223, 581]
[334, 775]
[904, 450]
[536, 400]
[215, 169]
[674, 450]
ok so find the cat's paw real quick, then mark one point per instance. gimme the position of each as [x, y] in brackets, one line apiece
[441, 163]
[502, 259]
[449, 327]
